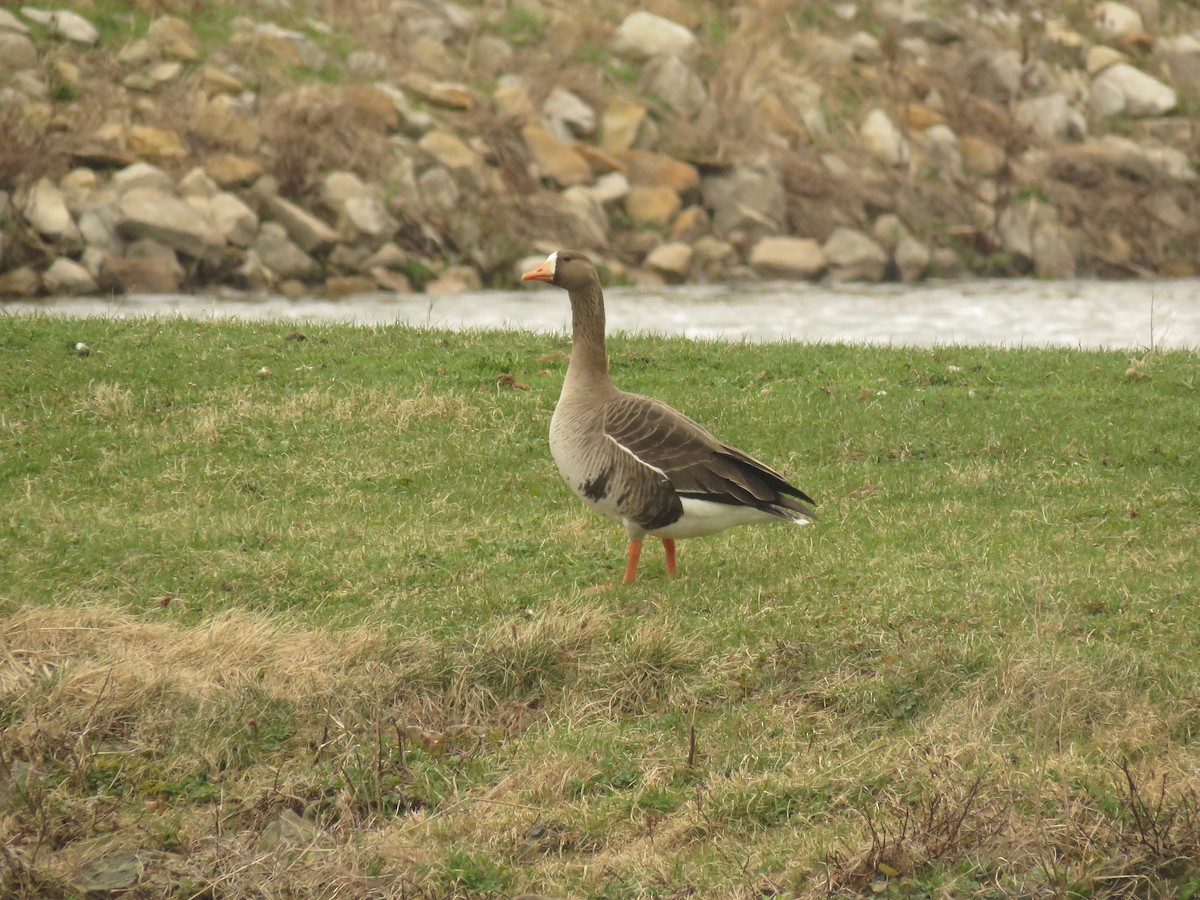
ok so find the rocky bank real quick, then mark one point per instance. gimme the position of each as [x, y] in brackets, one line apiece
[402, 145]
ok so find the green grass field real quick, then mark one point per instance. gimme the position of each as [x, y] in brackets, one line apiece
[325, 630]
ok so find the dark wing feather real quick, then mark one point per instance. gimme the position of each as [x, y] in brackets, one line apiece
[696, 463]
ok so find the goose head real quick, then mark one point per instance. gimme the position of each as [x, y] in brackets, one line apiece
[567, 269]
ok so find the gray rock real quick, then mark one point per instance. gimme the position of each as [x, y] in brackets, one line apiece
[865, 48]
[46, 212]
[438, 189]
[281, 256]
[455, 280]
[197, 183]
[1053, 252]
[65, 277]
[389, 256]
[491, 54]
[932, 28]
[750, 199]
[567, 116]
[232, 218]
[151, 213]
[939, 145]
[288, 831]
[676, 84]
[944, 263]
[888, 230]
[98, 227]
[365, 216]
[788, 257]
[337, 187]
[995, 74]
[853, 256]
[141, 175]
[17, 53]
[450, 151]
[1015, 229]
[367, 64]
[643, 35]
[1179, 56]
[118, 871]
[309, 232]
[880, 137]
[587, 216]
[912, 258]
[1123, 90]
[1052, 116]
[63, 23]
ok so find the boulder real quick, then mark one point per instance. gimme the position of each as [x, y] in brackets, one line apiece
[455, 280]
[281, 255]
[232, 218]
[980, 157]
[438, 189]
[853, 256]
[47, 214]
[692, 224]
[172, 37]
[643, 35]
[672, 260]
[609, 188]
[10, 23]
[197, 183]
[227, 122]
[1100, 57]
[309, 232]
[80, 189]
[788, 257]
[1123, 90]
[750, 199]
[65, 277]
[151, 213]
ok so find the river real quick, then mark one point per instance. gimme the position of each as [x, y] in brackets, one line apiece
[1134, 315]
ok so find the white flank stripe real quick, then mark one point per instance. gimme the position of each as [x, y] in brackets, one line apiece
[635, 456]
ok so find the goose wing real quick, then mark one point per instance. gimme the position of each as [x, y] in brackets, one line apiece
[695, 463]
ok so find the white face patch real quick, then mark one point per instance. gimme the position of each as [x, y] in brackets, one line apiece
[551, 262]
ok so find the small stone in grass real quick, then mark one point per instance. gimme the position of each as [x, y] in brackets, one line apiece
[264, 372]
[79, 348]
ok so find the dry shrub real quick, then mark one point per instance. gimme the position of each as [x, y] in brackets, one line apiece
[309, 132]
[27, 152]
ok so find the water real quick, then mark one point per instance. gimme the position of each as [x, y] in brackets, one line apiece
[1101, 314]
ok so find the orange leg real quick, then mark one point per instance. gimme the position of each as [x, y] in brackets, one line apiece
[669, 547]
[635, 553]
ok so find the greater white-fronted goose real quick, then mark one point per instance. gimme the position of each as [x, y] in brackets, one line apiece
[638, 461]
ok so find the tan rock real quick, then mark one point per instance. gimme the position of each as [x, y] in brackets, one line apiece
[918, 116]
[672, 260]
[980, 157]
[23, 281]
[154, 144]
[173, 37]
[555, 160]
[341, 286]
[391, 280]
[231, 171]
[652, 205]
[449, 150]
[140, 275]
[600, 162]
[225, 122]
[372, 106]
[788, 257]
[691, 224]
[218, 81]
[620, 124]
[646, 167]
[441, 93]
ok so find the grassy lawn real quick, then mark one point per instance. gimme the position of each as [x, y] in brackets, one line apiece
[324, 630]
